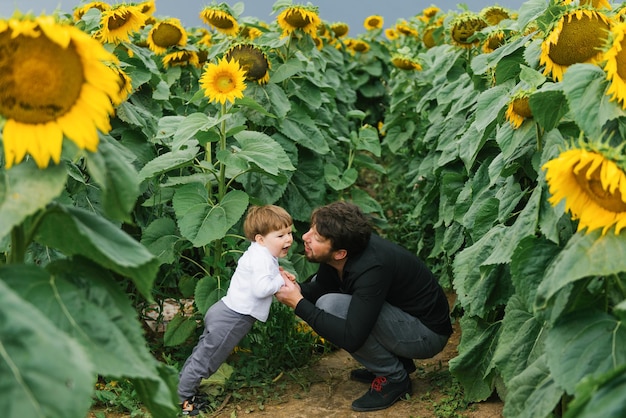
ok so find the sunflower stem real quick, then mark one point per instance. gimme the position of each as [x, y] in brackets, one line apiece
[18, 245]
[222, 177]
[539, 135]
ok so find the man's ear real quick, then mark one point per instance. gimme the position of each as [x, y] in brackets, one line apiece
[340, 255]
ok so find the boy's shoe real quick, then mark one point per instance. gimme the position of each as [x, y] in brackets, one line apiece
[192, 407]
[365, 376]
[382, 394]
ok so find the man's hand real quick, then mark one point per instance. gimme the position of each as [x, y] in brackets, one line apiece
[289, 294]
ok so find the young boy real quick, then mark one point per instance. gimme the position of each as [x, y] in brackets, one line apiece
[248, 299]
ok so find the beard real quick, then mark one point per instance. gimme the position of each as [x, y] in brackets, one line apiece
[318, 258]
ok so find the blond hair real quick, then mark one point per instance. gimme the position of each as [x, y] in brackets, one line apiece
[265, 219]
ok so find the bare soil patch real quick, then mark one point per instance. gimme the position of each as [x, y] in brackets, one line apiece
[328, 392]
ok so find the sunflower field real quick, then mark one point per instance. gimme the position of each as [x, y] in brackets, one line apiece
[490, 143]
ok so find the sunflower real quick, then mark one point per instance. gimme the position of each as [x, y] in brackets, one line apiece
[464, 26]
[147, 7]
[181, 58]
[494, 40]
[55, 81]
[79, 12]
[428, 13]
[221, 18]
[252, 60]
[373, 22]
[518, 109]
[494, 14]
[578, 37]
[406, 29]
[223, 81]
[596, 4]
[404, 62]
[304, 18]
[250, 32]
[593, 187]
[359, 45]
[124, 83]
[340, 29]
[615, 66]
[119, 22]
[166, 33]
[391, 34]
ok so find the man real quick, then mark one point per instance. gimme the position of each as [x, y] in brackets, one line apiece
[372, 298]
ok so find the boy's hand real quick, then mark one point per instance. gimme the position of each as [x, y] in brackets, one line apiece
[286, 275]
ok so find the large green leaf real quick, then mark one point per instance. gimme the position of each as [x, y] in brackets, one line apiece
[520, 341]
[584, 255]
[169, 161]
[338, 180]
[75, 231]
[264, 151]
[160, 237]
[548, 107]
[118, 179]
[45, 373]
[300, 128]
[201, 222]
[585, 342]
[25, 189]
[525, 225]
[179, 330]
[532, 393]
[208, 291]
[600, 397]
[476, 349]
[478, 285]
[585, 86]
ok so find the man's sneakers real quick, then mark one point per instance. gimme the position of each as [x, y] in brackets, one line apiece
[192, 407]
[365, 376]
[382, 394]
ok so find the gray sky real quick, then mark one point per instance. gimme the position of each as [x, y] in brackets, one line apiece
[352, 12]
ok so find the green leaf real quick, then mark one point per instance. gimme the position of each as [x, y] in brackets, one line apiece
[75, 231]
[202, 223]
[585, 86]
[525, 225]
[118, 179]
[520, 341]
[478, 285]
[600, 397]
[584, 343]
[533, 392]
[160, 238]
[584, 255]
[286, 70]
[169, 161]
[548, 107]
[45, 373]
[179, 329]
[25, 189]
[264, 151]
[305, 192]
[369, 141]
[476, 349]
[528, 264]
[191, 125]
[254, 105]
[338, 180]
[208, 291]
[300, 128]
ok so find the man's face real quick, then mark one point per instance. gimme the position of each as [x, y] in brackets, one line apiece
[317, 248]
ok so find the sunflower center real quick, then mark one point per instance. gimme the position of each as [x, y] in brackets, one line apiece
[224, 82]
[521, 107]
[620, 59]
[580, 40]
[166, 35]
[117, 20]
[222, 22]
[297, 19]
[612, 202]
[39, 80]
[463, 30]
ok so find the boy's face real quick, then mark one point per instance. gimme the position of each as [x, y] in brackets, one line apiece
[277, 242]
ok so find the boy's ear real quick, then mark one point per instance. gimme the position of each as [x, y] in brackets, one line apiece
[258, 238]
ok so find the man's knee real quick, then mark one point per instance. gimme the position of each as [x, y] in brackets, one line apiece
[334, 303]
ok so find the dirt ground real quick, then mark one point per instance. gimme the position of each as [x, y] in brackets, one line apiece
[330, 393]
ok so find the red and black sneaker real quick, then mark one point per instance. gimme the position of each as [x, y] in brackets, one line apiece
[382, 394]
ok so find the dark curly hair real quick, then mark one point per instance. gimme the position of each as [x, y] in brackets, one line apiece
[344, 224]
